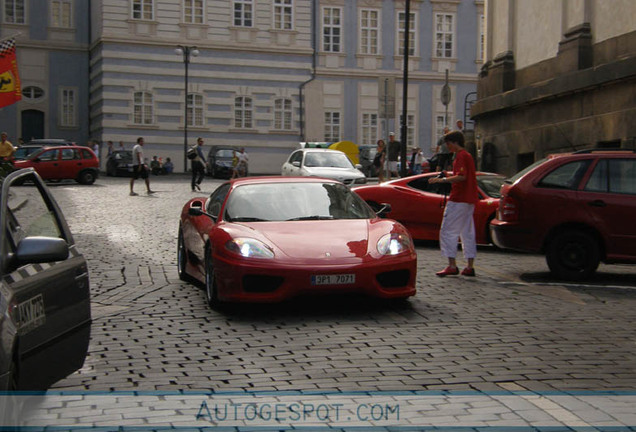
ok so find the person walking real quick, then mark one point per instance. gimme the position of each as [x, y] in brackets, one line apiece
[380, 159]
[6, 148]
[139, 167]
[394, 153]
[198, 166]
[416, 161]
[241, 166]
[458, 219]
[442, 152]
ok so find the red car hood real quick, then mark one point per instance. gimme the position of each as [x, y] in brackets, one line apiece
[307, 240]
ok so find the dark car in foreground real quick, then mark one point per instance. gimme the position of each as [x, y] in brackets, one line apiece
[267, 239]
[578, 209]
[419, 205]
[219, 163]
[119, 163]
[45, 315]
[60, 163]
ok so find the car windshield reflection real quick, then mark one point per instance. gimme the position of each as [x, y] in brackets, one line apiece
[327, 159]
[295, 202]
[491, 185]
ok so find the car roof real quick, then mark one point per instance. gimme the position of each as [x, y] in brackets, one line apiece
[280, 179]
[53, 141]
[319, 150]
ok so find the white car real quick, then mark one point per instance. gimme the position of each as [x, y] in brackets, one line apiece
[317, 162]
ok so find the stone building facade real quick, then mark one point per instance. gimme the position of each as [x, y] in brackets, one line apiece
[559, 76]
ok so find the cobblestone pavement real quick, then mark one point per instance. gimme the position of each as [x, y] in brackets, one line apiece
[510, 328]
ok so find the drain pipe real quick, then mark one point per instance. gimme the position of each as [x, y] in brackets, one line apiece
[314, 25]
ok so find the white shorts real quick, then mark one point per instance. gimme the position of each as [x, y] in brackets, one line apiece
[458, 223]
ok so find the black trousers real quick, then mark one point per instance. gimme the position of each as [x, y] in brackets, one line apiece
[198, 172]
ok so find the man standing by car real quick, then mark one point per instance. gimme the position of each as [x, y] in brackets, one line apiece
[394, 153]
[139, 167]
[458, 216]
[6, 148]
[198, 166]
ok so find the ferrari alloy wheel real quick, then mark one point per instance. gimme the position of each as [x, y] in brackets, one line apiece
[573, 255]
[182, 258]
[211, 293]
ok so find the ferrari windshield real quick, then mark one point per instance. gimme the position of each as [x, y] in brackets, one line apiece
[293, 202]
[491, 185]
[327, 159]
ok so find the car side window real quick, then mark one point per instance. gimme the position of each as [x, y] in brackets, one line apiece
[48, 155]
[86, 154]
[216, 200]
[423, 184]
[29, 215]
[567, 176]
[296, 157]
[613, 176]
[70, 154]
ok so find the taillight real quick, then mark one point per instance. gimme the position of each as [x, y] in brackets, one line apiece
[508, 209]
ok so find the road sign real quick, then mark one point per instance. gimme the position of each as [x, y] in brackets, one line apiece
[386, 97]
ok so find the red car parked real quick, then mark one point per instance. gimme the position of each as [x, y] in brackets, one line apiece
[419, 205]
[576, 208]
[59, 163]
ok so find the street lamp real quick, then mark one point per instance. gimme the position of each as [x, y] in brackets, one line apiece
[186, 52]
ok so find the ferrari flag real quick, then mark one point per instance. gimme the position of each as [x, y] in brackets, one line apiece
[9, 79]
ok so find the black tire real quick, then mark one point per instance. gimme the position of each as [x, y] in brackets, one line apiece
[87, 177]
[573, 255]
[211, 293]
[182, 258]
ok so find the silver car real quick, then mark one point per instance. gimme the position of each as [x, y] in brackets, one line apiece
[316, 162]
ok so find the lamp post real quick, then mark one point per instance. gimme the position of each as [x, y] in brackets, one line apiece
[186, 52]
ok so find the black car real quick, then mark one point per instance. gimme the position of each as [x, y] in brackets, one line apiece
[219, 163]
[45, 314]
[119, 163]
[24, 151]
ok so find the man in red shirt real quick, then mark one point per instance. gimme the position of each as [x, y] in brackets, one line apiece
[458, 215]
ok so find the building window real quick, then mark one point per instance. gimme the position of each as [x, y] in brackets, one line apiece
[32, 93]
[283, 14]
[481, 53]
[243, 13]
[440, 124]
[143, 10]
[143, 107]
[195, 110]
[369, 31]
[332, 126]
[243, 112]
[410, 129]
[331, 29]
[283, 114]
[193, 11]
[402, 28]
[61, 13]
[444, 35]
[14, 12]
[68, 108]
[369, 128]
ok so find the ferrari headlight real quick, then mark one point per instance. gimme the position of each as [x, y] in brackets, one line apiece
[249, 248]
[394, 244]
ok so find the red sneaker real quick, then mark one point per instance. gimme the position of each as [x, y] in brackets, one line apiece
[448, 271]
[468, 272]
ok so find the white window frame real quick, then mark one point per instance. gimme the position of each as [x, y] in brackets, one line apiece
[369, 124]
[410, 129]
[139, 10]
[481, 38]
[195, 109]
[68, 106]
[333, 121]
[143, 108]
[412, 34]
[369, 32]
[283, 15]
[59, 6]
[15, 11]
[283, 113]
[243, 112]
[245, 9]
[329, 28]
[194, 11]
[441, 35]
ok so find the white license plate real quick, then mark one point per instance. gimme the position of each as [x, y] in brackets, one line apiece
[336, 279]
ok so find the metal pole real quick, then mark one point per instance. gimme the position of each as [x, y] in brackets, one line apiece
[385, 166]
[186, 60]
[405, 93]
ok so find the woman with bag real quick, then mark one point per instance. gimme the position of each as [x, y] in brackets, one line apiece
[378, 160]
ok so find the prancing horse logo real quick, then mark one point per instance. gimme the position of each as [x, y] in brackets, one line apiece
[6, 82]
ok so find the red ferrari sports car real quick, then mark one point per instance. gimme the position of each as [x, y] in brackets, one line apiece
[266, 239]
[419, 206]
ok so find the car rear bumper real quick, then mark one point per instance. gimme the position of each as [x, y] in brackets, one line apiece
[507, 235]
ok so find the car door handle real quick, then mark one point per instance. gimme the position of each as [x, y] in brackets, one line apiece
[597, 203]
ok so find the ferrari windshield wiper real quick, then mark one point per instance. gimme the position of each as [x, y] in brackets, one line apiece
[315, 217]
[248, 219]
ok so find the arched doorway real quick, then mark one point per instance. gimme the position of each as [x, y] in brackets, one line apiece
[32, 125]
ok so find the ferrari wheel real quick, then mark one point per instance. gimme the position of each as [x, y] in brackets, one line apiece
[211, 293]
[182, 258]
